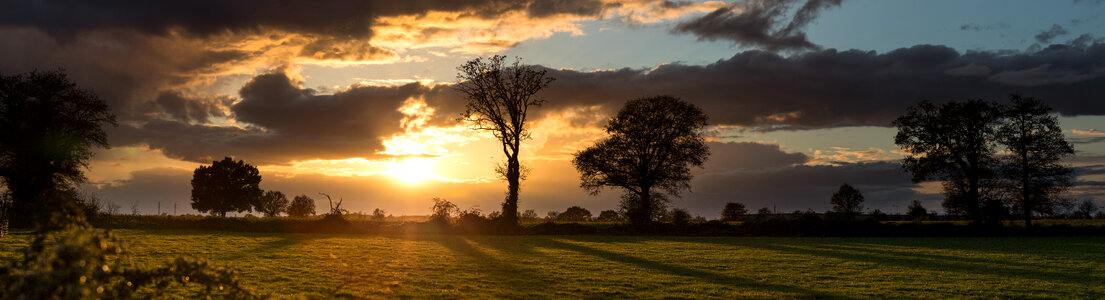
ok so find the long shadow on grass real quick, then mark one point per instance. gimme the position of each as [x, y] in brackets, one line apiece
[497, 269]
[908, 260]
[707, 276]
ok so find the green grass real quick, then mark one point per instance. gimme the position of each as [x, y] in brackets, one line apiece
[636, 266]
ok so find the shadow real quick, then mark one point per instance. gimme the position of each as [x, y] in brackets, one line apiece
[702, 275]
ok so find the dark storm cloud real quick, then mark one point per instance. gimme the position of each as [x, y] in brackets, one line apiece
[190, 109]
[1046, 36]
[832, 88]
[759, 23]
[341, 18]
[283, 123]
[733, 156]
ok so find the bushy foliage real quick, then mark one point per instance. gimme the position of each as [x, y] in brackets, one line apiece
[442, 211]
[80, 263]
[302, 206]
[609, 216]
[733, 211]
[847, 202]
[1085, 209]
[272, 203]
[763, 213]
[529, 215]
[379, 215]
[225, 186]
[916, 211]
[680, 217]
[574, 214]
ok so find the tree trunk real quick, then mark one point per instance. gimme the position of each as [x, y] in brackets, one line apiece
[643, 216]
[973, 198]
[510, 206]
[1026, 200]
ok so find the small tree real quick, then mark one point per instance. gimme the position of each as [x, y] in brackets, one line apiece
[574, 214]
[1086, 209]
[335, 208]
[225, 186]
[529, 215]
[1034, 167]
[916, 210]
[763, 213]
[733, 211]
[847, 202]
[302, 206]
[442, 211]
[951, 142]
[608, 216]
[49, 129]
[653, 142]
[272, 203]
[379, 215]
[680, 217]
[498, 100]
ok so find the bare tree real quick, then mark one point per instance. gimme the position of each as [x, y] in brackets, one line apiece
[335, 209]
[499, 97]
[1037, 148]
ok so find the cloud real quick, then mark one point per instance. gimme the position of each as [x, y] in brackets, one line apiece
[1047, 35]
[759, 23]
[1085, 136]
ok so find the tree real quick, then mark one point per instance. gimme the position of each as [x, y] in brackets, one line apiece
[1086, 209]
[442, 211]
[733, 211]
[225, 186]
[574, 214]
[48, 130]
[529, 215]
[917, 211]
[680, 217]
[302, 206]
[1035, 141]
[272, 204]
[951, 142]
[498, 100]
[763, 213]
[652, 144]
[379, 215]
[608, 216]
[847, 202]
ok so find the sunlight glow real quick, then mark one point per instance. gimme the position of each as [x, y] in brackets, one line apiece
[412, 170]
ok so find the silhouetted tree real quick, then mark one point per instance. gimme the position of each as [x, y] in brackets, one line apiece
[763, 213]
[1086, 209]
[733, 211]
[916, 211]
[951, 142]
[1099, 215]
[302, 206]
[378, 215]
[847, 202]
[498, 100]
[574, 214]
[225, 186]
[335, 208]
[680, 217]
[1037, 147]
[272, 203]
[551, 215]
[529, 215]
[442, 211]
[653, 142]
[608, 216]
[878, 215]
[48, 130]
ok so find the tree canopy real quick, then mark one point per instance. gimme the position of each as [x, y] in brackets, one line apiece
[301, 206]
[272, 203]
[733, 211]
[1037, 146]
[48, 130]
[499, 97]
[951, 142]
[653, 143]
[225, 186]
[847, 202]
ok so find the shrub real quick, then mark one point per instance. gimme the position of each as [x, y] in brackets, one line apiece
[442, 211]
[529, 215]
[574, 214]
[609, 216]
[733, 211]
[680, 217]
[302, 206]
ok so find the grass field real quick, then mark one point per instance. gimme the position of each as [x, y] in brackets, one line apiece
[635, 266]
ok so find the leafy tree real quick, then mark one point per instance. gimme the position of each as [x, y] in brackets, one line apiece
[272, 203]
[847, 202]
[878, 215]
[1085, 209]
[680, 217]
[302, 206]
[653, 142]
[498, 100]
[916, 211]
[574, 214]
[951, 142]
[378, 215]
[529, 215]
[733, 211]
[225, 186]
[763, 213]
[551, 215]
[442, 211]
[1032, 135]
[608, 216]
[48, 130]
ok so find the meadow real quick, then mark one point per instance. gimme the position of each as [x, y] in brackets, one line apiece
[285, 265]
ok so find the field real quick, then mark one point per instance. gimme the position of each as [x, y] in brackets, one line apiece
[636, 266]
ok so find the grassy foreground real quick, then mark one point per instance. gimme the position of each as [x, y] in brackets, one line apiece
[636, 266]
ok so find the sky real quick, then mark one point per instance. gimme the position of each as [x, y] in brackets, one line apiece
[354, 98]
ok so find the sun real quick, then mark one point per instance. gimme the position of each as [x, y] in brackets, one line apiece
[412, 170]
